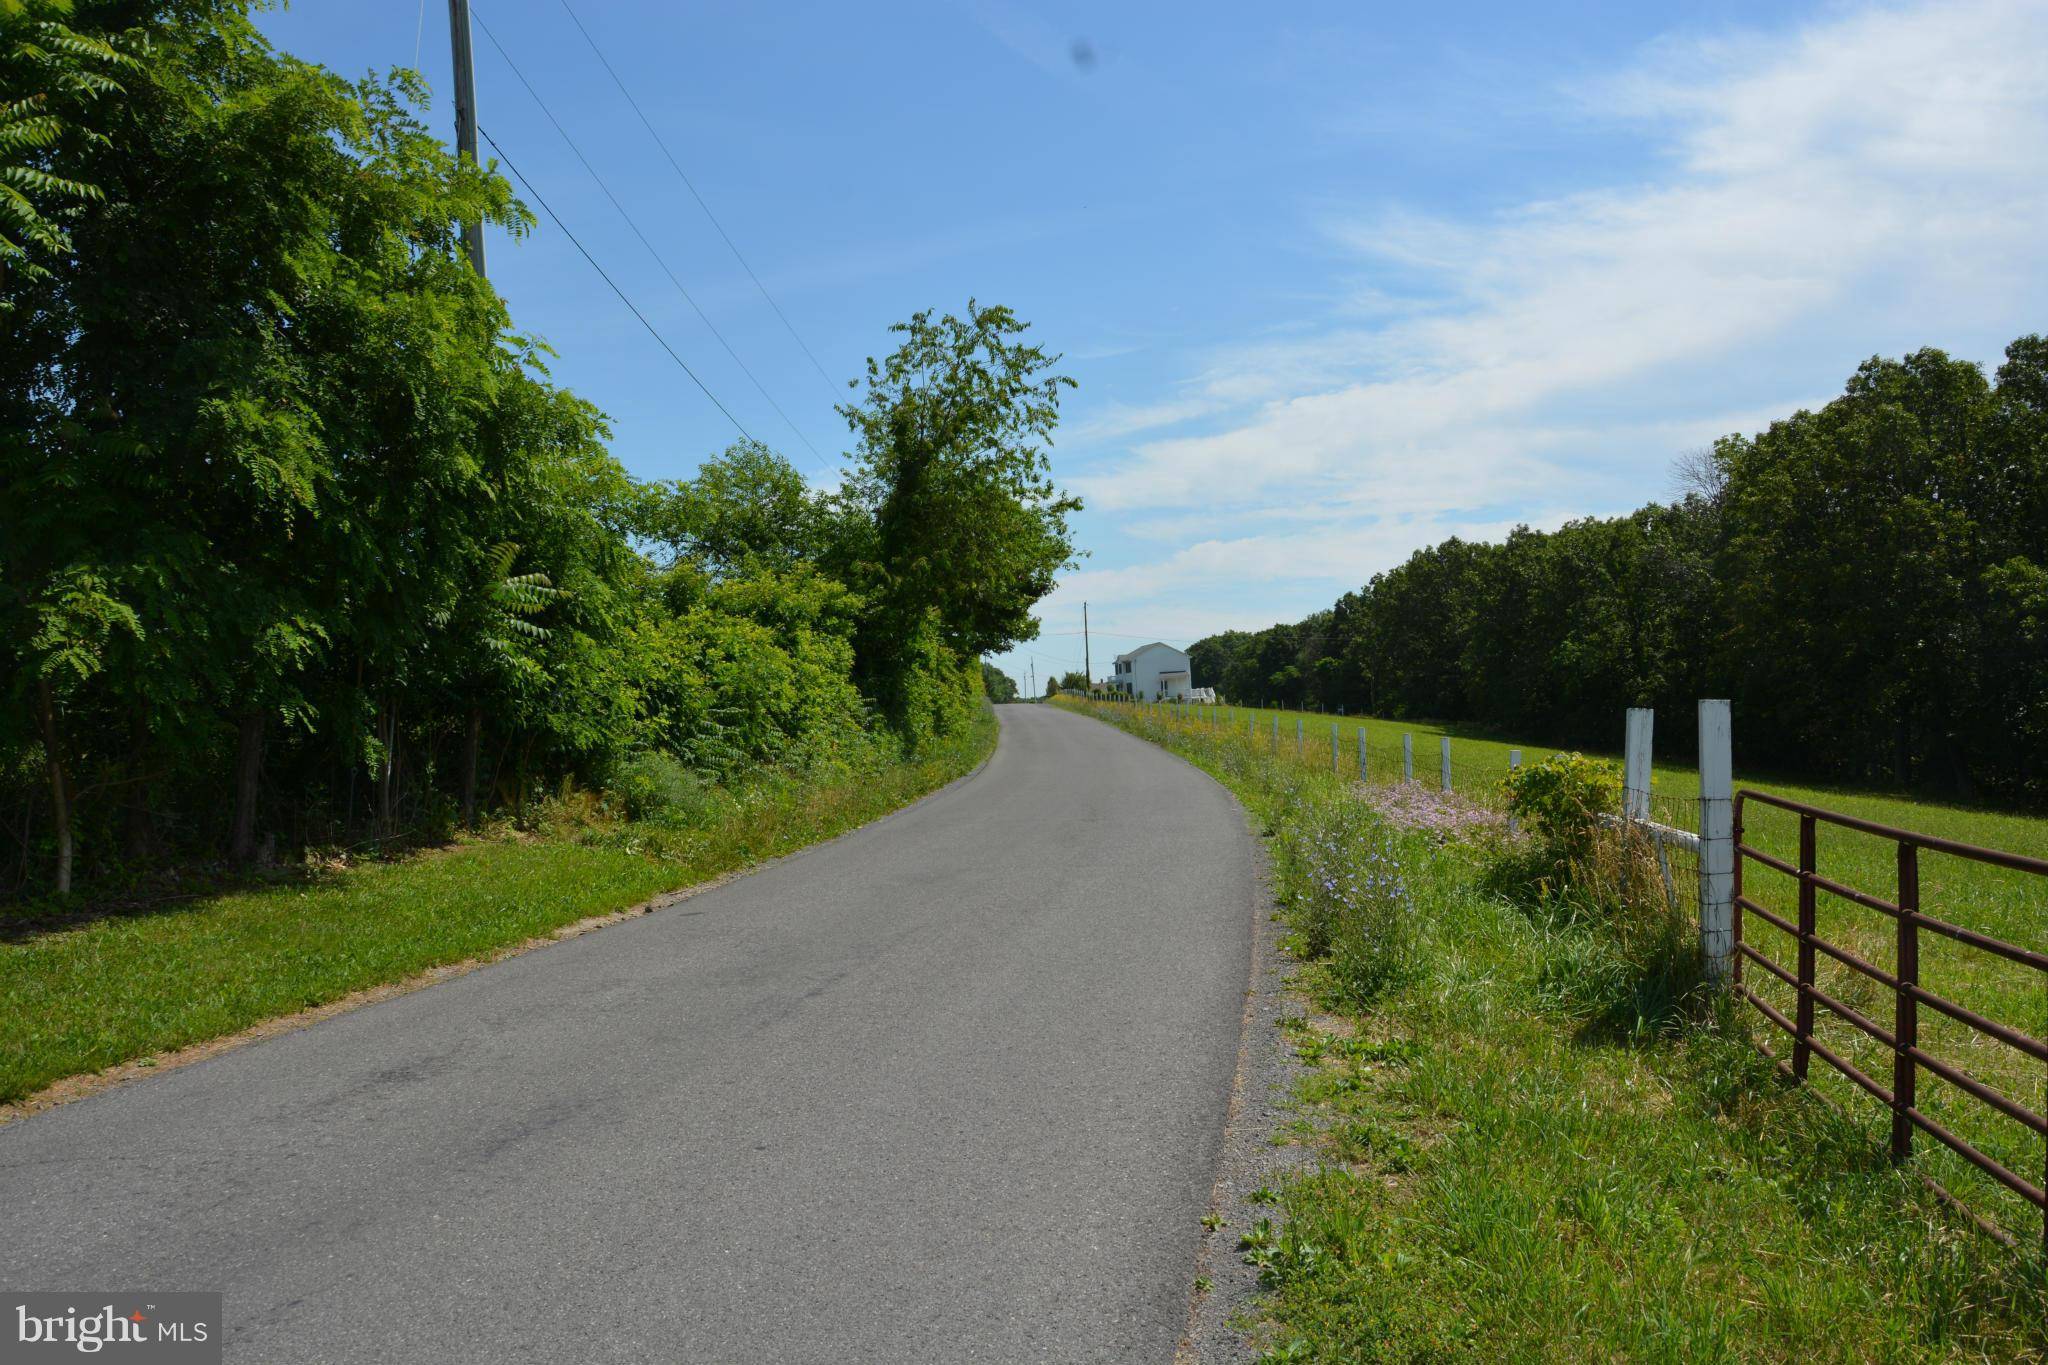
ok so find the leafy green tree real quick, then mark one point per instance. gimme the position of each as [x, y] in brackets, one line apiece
[960, 530]
[1210, 660]
[287, 508]
[1865, 630]
[52, 77]
[1866, 581]
[999, 686]
[492, 633]
[747, 506]
[306, 385]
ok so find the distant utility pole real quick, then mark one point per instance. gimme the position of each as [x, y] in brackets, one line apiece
[1087, 668]
[1031, 688]
[465, 115]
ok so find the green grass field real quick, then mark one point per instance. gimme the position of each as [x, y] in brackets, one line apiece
[1497, 1180]
[80, 999]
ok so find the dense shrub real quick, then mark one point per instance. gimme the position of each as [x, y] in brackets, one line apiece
[1623, 956]
[1561, 799]
[657, 787]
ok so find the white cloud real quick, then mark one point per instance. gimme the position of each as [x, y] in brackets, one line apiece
[1113, 421]
[1891, 164]
[1243, 582]
[1871, 181]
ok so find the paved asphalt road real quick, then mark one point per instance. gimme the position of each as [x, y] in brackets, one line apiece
[951, 1088]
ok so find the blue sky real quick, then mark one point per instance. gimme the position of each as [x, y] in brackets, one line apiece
[1336, 280]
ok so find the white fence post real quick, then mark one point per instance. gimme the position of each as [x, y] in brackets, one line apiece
[1333, 747]
[1297, 736]
[1443, 750]
[1361, 753]
[1635, 789]
[1407, 758]
[1717, 839]
[1276, 732]
[1514, 762]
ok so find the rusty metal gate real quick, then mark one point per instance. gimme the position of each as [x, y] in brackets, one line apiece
[1901, 1039]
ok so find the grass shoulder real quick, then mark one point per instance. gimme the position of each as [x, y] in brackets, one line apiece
[97, 992]
[1526, 1144]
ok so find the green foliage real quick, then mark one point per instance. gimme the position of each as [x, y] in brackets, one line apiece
[296, 533]
[954, 528]
[1863, 581]
[51, 77]
[659, 788]
[1562, 798]
[1624, 961]
[747, 507]
[72, 621]
[999, 686]
[1626, 957]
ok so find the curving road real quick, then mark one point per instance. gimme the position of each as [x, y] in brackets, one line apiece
[951, 1088]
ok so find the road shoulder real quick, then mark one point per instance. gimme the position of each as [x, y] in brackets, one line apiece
[1251, 1161]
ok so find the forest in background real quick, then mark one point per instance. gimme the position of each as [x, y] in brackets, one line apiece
[299, 543]
[1868, 583]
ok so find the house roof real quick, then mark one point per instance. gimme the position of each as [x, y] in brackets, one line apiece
[1156, 644]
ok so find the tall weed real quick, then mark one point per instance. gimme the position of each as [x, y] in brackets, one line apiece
[1347, 898]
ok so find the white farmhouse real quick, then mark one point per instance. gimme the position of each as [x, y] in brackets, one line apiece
[1154, 672]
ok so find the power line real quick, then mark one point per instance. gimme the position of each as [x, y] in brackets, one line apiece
[1067, 664]
[658, 259]
[1118, 634]
[689, 185]
[659, 339]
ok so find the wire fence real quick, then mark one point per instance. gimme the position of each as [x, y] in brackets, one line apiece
[1426, 779]
[1671, 824]
[1419, 778]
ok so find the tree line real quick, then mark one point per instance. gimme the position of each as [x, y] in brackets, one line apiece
[1868, 583]
[297, 537]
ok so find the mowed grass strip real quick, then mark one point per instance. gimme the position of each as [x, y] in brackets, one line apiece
[112, 990]
[1495, 1180]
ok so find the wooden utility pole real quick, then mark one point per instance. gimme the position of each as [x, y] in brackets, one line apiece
[1087, 667]
[473, 242]
[465, 114]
